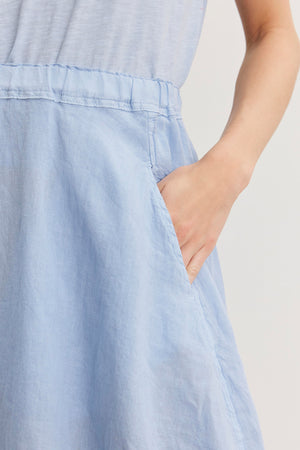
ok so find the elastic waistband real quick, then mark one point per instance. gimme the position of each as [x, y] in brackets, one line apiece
[89, 87]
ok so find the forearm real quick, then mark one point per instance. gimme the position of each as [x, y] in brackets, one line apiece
[263, 89]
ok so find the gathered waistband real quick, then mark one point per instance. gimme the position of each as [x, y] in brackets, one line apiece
[89, 87]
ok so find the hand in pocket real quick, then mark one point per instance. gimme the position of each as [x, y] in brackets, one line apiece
[199, 197]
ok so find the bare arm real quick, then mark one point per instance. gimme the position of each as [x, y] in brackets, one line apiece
[264, 84]
[199, 196]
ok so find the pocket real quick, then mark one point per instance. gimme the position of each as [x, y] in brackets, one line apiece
[169, 147]
[164, 216]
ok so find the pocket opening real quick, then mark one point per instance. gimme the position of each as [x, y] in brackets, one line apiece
[171, 232]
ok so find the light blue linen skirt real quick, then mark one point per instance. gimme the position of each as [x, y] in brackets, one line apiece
[104, 343]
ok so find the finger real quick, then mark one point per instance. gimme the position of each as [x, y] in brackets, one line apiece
[196, 263]
[187, 251]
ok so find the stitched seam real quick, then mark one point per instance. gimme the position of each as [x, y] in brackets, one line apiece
[151, 139]
[226, 389]
[95, 102]
[172, 109]
[164, 213]
[89, 69]
[171, 234]
[201, 311]
[165, 221]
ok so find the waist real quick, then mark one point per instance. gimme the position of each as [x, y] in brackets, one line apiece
[89, 87]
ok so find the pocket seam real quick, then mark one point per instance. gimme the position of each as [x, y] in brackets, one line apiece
[160, 203]
[192, 288]
[151, 128]
[171, 233]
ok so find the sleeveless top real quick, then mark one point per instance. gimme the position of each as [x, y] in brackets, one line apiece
[144, 38]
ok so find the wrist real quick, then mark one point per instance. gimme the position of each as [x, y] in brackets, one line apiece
[236, 169]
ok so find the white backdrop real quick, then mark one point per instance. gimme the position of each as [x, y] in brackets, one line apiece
[259, 246]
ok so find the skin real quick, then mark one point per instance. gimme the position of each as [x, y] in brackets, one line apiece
[199, 196]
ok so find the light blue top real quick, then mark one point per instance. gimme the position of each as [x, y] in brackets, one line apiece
[151, 39]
